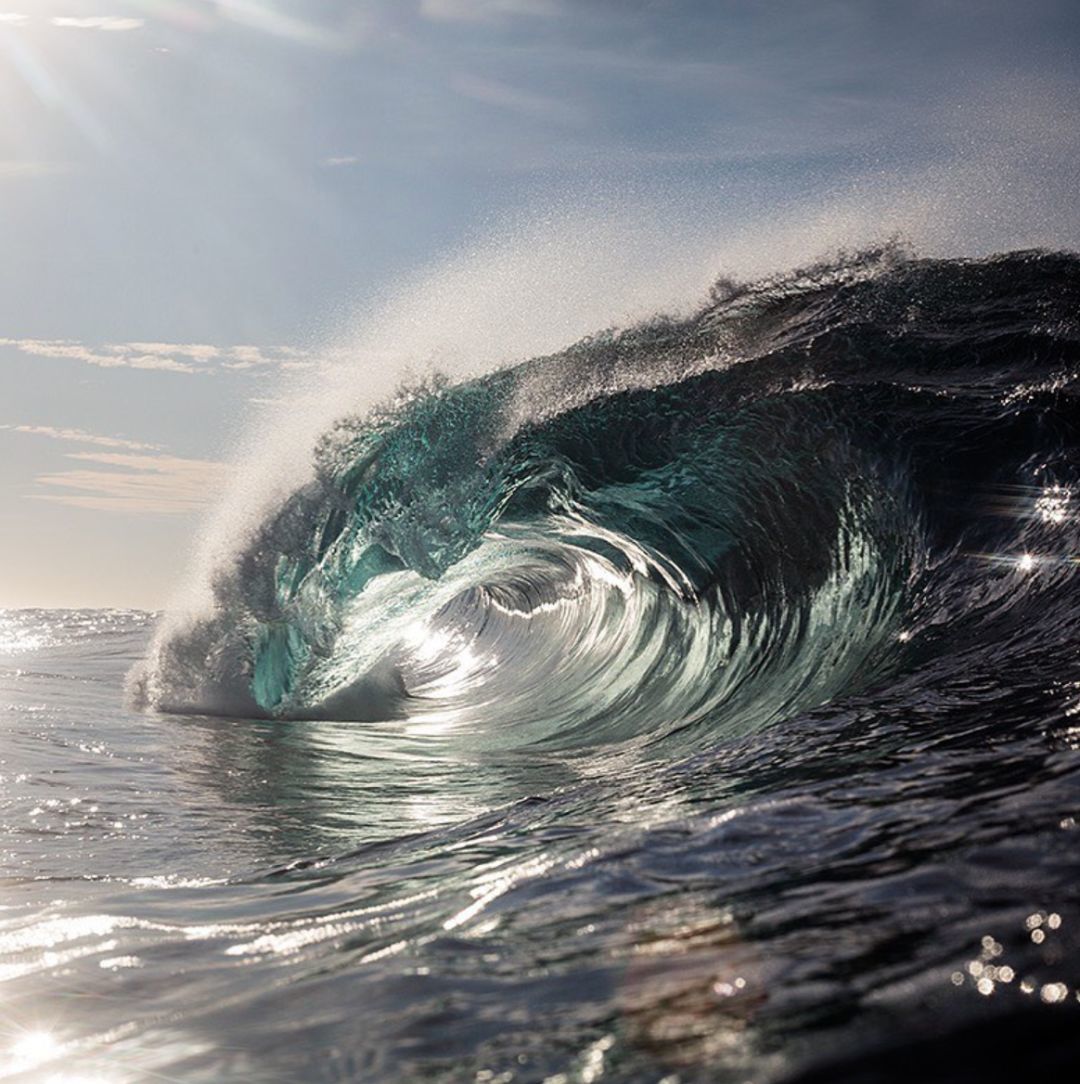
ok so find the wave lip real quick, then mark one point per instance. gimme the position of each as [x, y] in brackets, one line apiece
[691, 527]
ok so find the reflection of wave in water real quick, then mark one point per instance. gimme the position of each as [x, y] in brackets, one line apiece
[694, 526]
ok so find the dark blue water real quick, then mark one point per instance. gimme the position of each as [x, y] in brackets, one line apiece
[699, 704]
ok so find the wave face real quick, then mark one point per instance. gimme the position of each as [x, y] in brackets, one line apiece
[815, 486]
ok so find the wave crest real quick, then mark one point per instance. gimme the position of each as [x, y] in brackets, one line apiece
[694, 526]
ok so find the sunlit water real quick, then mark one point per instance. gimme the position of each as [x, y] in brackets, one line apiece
[201, 899]
[727, 759]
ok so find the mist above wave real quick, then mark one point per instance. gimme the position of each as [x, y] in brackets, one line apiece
[705, 523]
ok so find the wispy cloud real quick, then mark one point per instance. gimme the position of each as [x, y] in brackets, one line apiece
[144, 484]
[199, 352]
[13, 18]
[81, 436]
[97, 22]
[482, 11]
[137, 476]
[341, 160]
[13, 167]
[516, 100]
[270, 20]
[166, 357]
[109, 357]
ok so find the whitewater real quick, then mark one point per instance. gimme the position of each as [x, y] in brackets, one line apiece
[693, 701]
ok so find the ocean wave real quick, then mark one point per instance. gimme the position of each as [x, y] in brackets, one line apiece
[811, 487]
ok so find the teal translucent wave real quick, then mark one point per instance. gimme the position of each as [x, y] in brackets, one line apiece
[628, 567]
[690, 527]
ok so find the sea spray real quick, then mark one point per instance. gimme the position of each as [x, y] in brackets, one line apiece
[724, 519]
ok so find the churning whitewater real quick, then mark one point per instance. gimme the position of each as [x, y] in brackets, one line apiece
[689, 529]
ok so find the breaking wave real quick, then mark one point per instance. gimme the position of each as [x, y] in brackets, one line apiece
[692, 528]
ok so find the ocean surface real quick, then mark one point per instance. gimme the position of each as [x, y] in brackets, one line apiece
[701, 703]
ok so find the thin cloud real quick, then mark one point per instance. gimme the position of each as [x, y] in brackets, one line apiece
[483, 11]
[29, 168]
[97, 22]
[110, 357]
[13, 18]
[516, 100]
[265, 18]
[341, 160]
[81, 436]
[165, 357]
[142, 484]
[195, 351]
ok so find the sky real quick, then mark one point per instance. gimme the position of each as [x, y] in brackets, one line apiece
[212, 210]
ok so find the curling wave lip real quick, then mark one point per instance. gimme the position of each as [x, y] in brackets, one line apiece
[693, 527]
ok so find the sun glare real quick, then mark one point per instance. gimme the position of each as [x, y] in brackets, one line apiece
[34, 1048]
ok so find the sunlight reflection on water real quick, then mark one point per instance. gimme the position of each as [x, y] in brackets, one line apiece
[18, 637]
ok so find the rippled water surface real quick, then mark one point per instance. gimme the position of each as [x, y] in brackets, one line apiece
[201, 899]
[716, 719]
